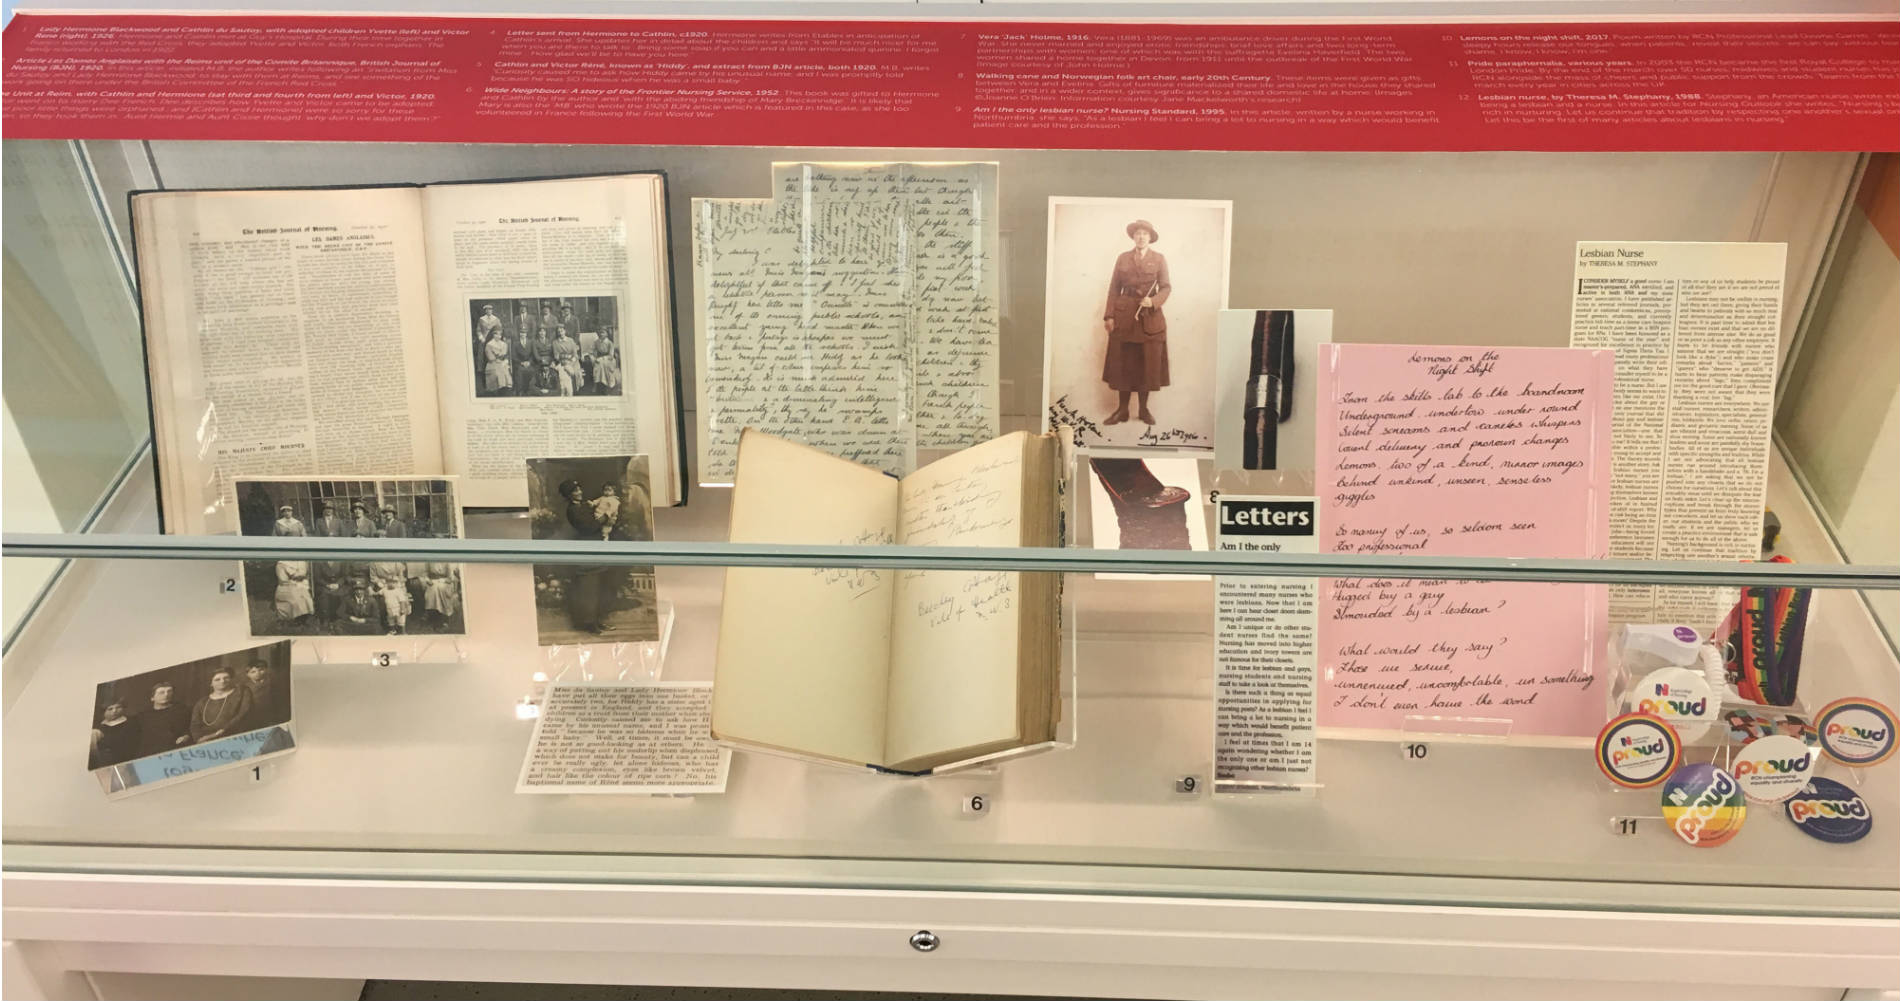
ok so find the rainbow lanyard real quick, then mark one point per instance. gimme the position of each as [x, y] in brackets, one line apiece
[1773, 625]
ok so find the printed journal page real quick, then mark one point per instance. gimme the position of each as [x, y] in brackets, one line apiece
[553, 329]
[804, 653]
[1696, 329]
[286, 332]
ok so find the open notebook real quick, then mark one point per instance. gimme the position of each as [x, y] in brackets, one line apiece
[450, 329]
[901, 670]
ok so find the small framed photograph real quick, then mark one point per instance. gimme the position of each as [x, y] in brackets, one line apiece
[188, 720]
[351, 597]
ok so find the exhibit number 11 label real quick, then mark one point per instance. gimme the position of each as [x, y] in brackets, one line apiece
[1266, 650]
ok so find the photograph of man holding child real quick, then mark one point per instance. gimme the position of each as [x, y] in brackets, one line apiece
[592, 501]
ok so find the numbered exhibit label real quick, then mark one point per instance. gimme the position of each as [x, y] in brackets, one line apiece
[1266, 650]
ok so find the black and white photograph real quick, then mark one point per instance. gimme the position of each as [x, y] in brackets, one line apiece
[347, 597]
[592, 500]
[1267, 368]
[1134, 288]
[546, 346]
[196, 703]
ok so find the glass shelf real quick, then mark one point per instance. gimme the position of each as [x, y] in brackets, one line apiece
[430, 751]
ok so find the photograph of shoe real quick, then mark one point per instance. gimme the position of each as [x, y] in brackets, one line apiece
[1147, 503]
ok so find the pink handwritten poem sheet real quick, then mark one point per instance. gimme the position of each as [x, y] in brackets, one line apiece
[1463, 451]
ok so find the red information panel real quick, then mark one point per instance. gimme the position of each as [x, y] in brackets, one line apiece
[996, 84]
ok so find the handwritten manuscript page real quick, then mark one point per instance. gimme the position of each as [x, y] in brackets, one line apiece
[854, 311]
[1463, 451]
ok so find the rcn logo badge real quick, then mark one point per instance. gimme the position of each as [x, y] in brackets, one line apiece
[1831, 812]
[1771, 769]
[1678, 696]
[1637, 750]
[1856, 732]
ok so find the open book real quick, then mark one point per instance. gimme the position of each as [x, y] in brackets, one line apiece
[902, 670]
[450, 329]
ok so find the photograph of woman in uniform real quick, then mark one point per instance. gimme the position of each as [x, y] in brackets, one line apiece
[1134, 367]
[1137, 357]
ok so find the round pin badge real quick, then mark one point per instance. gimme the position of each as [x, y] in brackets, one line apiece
[1856, 732]
[1703, 804]
[1680, 697]
[1771, 769]
[1637, 751]
[1831, 812]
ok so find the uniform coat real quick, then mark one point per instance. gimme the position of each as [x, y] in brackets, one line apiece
[1137, 356]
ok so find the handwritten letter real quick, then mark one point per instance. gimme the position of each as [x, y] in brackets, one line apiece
[1463, 451]
[855, 311]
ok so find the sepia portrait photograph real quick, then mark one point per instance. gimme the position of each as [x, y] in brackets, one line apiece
[1134, 288]
[592, 500]
[200, 702]
[349, 597]
[547, 346]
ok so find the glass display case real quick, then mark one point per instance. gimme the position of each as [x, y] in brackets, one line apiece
[725, 536]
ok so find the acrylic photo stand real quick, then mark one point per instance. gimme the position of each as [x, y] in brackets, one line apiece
[585, 662]
[380, 651]
[640, 661]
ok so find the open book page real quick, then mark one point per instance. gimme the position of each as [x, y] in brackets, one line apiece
[803, 329]
[804, 653]
[952, 222]
[287, 333]
[552, 325]
[954, 634]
